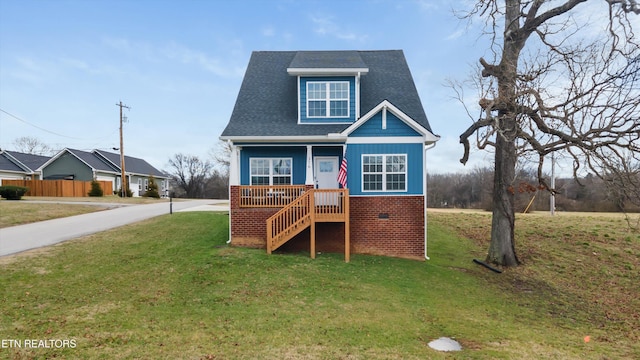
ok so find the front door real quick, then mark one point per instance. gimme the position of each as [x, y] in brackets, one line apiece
[326, 172]
[326, 176]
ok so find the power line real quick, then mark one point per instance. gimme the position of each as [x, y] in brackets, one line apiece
[53, 132]
[38, 127]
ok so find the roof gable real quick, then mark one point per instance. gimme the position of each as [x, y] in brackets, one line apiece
[85, 157]
[384, 123]
[8, 164]
[28, 162]
[387, 107]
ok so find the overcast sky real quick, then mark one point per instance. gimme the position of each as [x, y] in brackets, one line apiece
[178, 64]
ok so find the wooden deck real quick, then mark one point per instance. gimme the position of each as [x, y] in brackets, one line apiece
[301, 208]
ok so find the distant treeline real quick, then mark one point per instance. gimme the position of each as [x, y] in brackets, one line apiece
[473, 190]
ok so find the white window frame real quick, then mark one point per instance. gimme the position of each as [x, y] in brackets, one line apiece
[271, 173]
[327, 98]
[384, 173]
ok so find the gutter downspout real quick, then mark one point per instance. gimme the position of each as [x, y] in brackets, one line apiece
[424, 164]
[234, 177]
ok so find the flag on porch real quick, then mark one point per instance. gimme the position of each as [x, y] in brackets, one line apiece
[342, 174]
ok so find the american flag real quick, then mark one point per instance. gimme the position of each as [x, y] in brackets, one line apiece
[342, 174]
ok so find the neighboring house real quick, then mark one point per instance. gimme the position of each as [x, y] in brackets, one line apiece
[20, 166]
[138, 171]
[299, 117]
[72, 164]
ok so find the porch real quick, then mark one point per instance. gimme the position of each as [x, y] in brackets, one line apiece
[299, 207]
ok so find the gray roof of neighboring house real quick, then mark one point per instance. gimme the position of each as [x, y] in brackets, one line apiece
[131, 164]
[93, 161]
[7, 165]
[25, 162]
[267, 101]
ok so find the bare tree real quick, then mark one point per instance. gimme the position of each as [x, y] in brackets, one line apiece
[221, 156]
[564, 78]
[190, 175]
[31, 145]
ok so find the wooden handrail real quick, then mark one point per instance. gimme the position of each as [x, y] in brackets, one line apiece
[266, 196]
[329, 205]
[289, 221]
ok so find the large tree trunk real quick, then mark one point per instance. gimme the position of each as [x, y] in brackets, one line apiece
[502, 248]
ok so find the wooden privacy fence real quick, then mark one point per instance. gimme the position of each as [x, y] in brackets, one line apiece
[59, 188]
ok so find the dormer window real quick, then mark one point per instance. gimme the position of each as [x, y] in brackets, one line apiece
[327, 99]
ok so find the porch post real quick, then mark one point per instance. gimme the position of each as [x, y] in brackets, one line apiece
[309, 176]
[312, 210]
[234, 165]
[347, 234]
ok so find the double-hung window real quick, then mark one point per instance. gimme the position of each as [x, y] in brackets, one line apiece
[271, 171]
[327, 99]
[384, 172]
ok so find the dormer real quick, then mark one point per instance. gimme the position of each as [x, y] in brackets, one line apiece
[328, 84]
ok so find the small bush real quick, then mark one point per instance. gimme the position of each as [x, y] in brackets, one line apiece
[12, 192]
[128, 192]
[152, 190]
[96, 190]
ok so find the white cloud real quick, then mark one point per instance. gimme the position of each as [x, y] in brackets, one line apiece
[180, 53]
[326, 26]
[456, 34]
[29, 70]
[268, 31]
[427, 5]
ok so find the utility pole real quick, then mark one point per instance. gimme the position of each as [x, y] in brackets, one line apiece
[123, 178]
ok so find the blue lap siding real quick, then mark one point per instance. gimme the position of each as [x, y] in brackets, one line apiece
[394, 127]
[415, 177]
[320, 120]
[297, 153]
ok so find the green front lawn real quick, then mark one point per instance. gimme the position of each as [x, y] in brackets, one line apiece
[171, 288]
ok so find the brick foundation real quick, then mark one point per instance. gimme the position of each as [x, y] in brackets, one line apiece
[380, 225]
[388, 225]
[248, 225]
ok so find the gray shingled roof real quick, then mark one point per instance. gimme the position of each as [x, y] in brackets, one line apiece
[7, 164]
[131, 164]
[32, 162]
[327, 60]
[93, 161]
[267, 101]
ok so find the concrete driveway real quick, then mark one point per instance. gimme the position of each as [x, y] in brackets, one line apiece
[20, 238]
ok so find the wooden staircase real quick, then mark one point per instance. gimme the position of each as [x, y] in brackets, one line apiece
[315, 205]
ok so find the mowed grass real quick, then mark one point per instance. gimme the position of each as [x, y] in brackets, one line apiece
[171, 288]
[14, 213]
[32, 209]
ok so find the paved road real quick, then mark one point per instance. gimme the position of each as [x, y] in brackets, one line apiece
[19, 238]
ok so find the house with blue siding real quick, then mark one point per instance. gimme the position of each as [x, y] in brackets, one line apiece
[328, 154]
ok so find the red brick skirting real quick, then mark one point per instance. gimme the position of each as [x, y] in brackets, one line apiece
[380, 225]
[388, 225]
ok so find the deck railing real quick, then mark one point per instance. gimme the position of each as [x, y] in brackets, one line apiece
[265, 196]
[331, 204]
[289, 221]
[317, 205]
